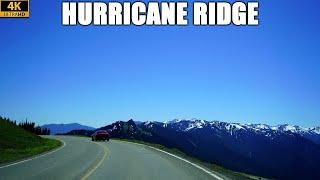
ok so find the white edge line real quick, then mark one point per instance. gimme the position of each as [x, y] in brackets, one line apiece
[26, 160]
[182, 159]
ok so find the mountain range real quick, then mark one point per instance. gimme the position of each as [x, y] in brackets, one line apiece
[281, 152]
[64, 128]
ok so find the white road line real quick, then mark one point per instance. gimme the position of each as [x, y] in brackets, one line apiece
[26, 160]
[182, 159]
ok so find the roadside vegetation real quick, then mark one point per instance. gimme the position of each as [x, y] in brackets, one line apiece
[28, 126]
[18, 143]
[225, 172]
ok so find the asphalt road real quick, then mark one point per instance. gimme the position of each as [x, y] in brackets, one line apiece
[81, 158]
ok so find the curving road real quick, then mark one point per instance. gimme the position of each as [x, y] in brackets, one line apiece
[80, 158]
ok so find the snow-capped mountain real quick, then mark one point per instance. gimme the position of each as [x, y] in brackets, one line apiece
[183, 125]
[315, 130]
[280, 152]
[186, 125]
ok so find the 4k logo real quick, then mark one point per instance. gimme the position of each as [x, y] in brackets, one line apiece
[14, 8]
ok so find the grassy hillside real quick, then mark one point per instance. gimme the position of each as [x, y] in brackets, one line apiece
[16, 143]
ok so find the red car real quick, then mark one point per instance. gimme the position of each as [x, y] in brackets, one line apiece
[100, 135]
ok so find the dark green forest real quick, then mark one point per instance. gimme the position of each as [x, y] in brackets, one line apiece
[28, 126]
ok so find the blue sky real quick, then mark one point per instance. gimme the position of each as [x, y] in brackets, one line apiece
[97, 75]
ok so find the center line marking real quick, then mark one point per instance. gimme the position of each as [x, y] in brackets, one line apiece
[99, 163]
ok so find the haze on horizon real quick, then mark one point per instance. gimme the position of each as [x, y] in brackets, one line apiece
[97, 75]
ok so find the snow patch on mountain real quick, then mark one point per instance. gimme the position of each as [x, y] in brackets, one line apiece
[315, 130]
[232, 128]
[149, 124]
[195, 124]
